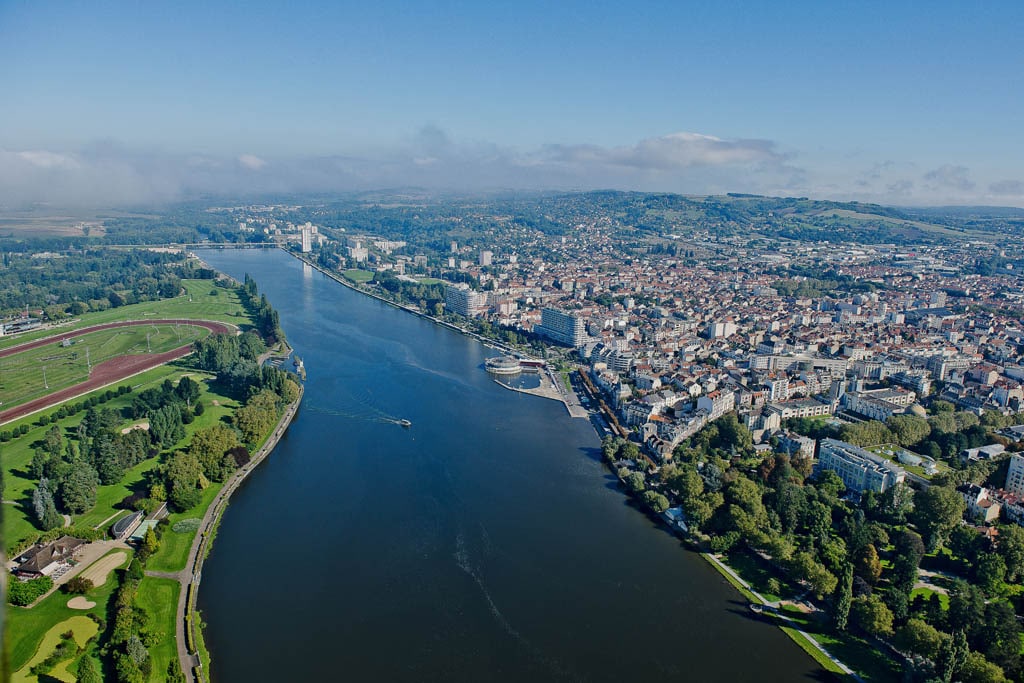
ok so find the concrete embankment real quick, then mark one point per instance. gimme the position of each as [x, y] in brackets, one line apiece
[187, 632]
[490, 343]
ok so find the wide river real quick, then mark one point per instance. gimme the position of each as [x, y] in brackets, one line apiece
[484, 543]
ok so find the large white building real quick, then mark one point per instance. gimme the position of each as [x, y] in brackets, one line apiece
[859, 469]
[464, 301]
[1015, 477]
[562, 327]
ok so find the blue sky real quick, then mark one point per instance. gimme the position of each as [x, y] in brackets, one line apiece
[897, 102]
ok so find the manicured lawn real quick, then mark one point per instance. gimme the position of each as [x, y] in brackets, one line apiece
[109, 496]
[22, 375]
[860, 655]
[25, 627]
[757, 573]
[358, 276]
[173, 550]
[17, 454]
[928, 593]
[430, 281]
[224, 306]
[83, 628]
[159, 598]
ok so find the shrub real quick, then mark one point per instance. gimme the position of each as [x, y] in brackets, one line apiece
[23, 593]
[186, 525]
[78, 585]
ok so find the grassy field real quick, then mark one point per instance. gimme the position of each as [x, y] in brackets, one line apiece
[202, 301]
[358, 276]
[83, 628]
[757, 573]
[860, 655]
[174, 546]
[159, 598]
[17, 454]
[27, 627]
[36, 372]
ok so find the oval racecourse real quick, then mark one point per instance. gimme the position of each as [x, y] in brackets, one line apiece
[108, 371]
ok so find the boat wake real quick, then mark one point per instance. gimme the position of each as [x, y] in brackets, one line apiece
[462, 560]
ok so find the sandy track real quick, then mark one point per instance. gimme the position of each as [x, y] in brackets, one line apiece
[208, 324]
[98, 571]
[79, 602]
[109, 371]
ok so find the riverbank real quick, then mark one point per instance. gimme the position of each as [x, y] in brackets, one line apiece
[188, 634]
[568, 398]
[490, 343]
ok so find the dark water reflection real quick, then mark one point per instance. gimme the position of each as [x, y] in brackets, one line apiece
[484, 543]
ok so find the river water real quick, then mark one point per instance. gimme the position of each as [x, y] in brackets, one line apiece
[484, 543]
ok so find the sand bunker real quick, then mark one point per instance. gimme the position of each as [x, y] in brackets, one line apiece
[79, 602]
[138, 425]
[98, 571]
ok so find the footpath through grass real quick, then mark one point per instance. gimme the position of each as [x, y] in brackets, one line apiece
[857, 653]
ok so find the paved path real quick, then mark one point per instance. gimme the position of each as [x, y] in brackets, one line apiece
[191, 574]
[773, 608]
[555, 390]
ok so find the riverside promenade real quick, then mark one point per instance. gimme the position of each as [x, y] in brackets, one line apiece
[549, 386]
[554, 390]
[185, 632]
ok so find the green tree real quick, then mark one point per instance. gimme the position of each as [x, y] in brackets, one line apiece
[871, 615]
[805, 568]
[87, 672]
[655, 501]
[990, 572]
[43, 507]
[257, 417]
[635, 482]
[977, 669]
[188, 390]
[78, 488]
[842, 599]
[1000, 637]
[937, 510]
[182, 478]
[909, 551]
[908, 429]
[916, 637]
[1011, 549]
[209, 446]
[868, 566]
[966, 609]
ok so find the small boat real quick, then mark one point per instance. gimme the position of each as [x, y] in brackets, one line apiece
[405, 423]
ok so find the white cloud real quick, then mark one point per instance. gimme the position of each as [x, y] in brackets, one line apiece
[44, 159]
[108, 174]
[251, 162]
[950, 177]
[668, 152]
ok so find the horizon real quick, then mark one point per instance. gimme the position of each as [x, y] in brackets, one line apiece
[115, 105]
